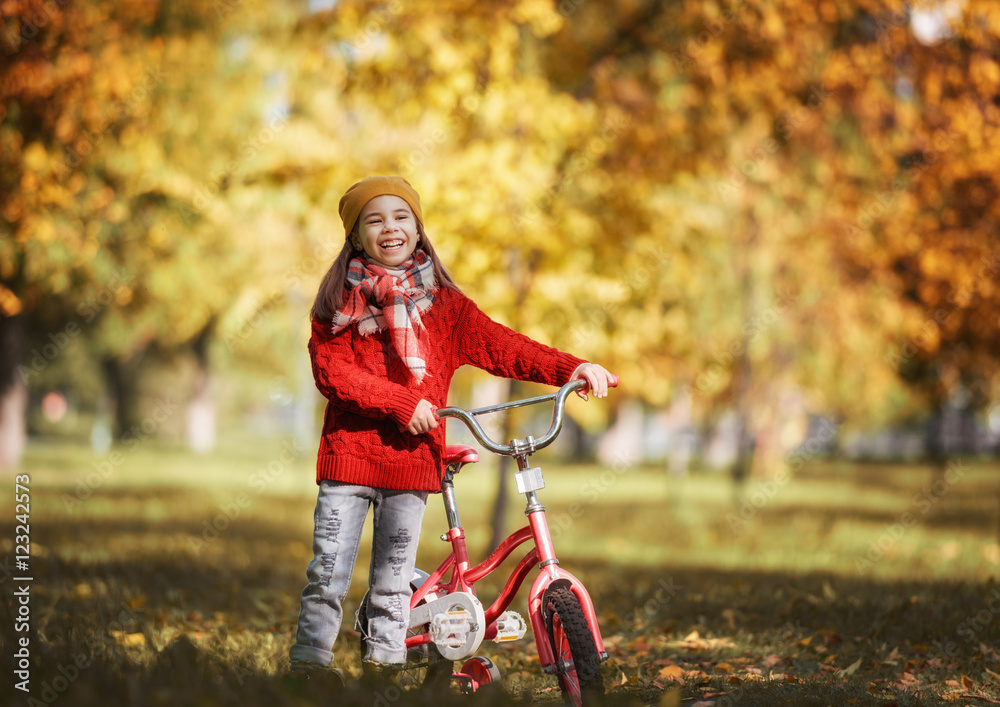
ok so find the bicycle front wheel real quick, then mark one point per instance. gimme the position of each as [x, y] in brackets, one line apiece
[578, 666]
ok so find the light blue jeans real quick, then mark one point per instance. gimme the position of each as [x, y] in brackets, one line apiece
[340, 515]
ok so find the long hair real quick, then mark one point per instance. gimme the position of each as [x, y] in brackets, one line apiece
[330, 296]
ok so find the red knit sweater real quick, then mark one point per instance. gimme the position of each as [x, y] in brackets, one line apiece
[372, 396]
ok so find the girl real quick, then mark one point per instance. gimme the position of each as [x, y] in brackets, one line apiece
[389, 328]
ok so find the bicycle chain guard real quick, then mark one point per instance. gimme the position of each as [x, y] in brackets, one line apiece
[457, 624]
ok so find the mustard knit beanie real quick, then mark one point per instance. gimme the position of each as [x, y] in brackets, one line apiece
[364, 191]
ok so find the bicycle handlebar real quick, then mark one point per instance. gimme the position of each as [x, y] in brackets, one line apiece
[531, 445]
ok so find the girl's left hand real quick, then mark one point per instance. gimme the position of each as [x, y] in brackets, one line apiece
[599, 378]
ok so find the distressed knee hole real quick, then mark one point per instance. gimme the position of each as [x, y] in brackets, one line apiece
[329, 562]
[401, 542]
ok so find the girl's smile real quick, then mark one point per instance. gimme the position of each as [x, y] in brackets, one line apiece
[387, 230]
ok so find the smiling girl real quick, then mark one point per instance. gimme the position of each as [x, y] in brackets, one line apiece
[389, 329]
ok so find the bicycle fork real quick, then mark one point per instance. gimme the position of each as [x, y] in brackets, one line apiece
[550, 574]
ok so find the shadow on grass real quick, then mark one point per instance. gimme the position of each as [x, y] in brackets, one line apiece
[225, 612]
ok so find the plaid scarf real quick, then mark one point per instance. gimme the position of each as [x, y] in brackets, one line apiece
[392, 298]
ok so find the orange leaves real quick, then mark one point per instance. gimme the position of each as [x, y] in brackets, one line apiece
[672, 672]
[694, 642]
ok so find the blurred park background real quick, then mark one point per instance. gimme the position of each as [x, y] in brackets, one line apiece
[775, 219]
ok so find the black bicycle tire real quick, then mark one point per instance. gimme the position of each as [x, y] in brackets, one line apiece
[562, 602]
[438, 668]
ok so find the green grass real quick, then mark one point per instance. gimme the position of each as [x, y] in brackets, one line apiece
[170, 578]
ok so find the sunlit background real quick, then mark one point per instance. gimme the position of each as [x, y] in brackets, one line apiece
[776, 220]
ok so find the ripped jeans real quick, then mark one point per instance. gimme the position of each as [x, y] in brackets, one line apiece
[340, 515]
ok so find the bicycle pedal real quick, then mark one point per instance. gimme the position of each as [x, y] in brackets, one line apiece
[510, 627]
[452, 629]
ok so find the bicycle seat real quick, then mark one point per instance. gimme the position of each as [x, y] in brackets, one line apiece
[460, 454]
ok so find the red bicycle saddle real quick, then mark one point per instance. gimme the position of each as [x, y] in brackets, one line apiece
[460, 454]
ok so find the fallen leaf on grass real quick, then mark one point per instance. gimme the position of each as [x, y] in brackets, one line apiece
[770, 661]
[892, 658]
[672, 672]
[700, 677]
[967, 682]
[992, 674]
[967, 696]
[130, 640]
[724, 667]
[849, 670]
[694, 642]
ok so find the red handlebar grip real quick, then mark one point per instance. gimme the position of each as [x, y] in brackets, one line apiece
[614, 381]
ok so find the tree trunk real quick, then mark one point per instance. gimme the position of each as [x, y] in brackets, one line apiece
[13, 393]
[741, 367]
[935, 442]
[200, 418]
[120, 379]
[503, 482]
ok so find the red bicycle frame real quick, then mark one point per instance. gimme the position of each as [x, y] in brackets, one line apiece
[463, 577]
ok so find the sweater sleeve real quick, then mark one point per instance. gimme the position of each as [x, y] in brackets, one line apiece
[504, 352]
[350, 387]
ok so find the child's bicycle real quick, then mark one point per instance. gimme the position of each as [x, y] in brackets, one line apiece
[447, 621]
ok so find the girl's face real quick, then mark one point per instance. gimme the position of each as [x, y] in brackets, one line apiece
[387, 230]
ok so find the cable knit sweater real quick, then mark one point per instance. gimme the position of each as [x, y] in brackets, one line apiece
[372, 396]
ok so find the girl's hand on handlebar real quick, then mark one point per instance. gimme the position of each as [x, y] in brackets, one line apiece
[423, 420]
[598, 378]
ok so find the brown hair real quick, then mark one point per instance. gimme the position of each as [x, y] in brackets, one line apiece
[330, 296]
